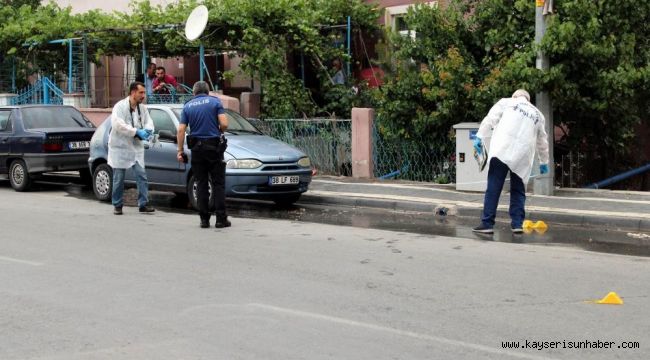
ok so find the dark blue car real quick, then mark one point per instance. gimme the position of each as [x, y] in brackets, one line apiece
[35, 139]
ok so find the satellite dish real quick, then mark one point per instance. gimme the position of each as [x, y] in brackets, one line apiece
[196, 22]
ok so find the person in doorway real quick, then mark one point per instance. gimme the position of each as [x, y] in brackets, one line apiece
[163, 82]
[339, 76]
[148, 78]
[206, 117]
[517, 129]
[130, 125]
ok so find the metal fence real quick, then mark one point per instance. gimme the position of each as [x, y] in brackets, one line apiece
[415, 159]
[43, 91]
[327, 142]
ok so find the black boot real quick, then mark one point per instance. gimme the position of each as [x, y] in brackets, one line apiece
[205, 221]
[222, 222]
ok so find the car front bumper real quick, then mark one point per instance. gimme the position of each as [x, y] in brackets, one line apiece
[248, 184]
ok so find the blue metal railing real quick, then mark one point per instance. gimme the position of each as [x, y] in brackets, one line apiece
[173, 97]
[619, 177]
[43, 91]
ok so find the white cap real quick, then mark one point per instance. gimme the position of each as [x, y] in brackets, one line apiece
[521, 93]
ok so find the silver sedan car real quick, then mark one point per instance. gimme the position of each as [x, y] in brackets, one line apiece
[257, 166]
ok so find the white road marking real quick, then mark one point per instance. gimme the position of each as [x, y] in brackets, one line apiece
[410, 334]
[19, 261]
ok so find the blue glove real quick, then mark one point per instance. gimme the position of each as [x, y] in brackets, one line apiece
[142, 134]
[478, 145]
[543, 169]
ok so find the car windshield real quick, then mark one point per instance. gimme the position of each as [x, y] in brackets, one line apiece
[53, 117]
[236, 122]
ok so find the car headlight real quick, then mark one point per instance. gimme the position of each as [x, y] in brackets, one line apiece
[243, 164]
[304, 162]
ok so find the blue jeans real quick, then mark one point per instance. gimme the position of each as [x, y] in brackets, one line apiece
[496, 178]
[141, 181]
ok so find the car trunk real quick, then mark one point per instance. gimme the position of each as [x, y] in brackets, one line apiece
[66, 139]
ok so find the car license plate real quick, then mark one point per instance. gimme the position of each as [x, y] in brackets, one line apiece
[284, 180]
[78, 145]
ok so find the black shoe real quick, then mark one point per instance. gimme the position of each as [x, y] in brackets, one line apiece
[222, 222]
[482, 229]
[147, 209]
[205, 223]
[517, 230]
[117, 210]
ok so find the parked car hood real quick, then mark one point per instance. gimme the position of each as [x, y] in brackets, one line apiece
[263, 148]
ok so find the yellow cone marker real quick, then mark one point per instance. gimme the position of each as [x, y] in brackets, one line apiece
[540, 225]
[611, 299]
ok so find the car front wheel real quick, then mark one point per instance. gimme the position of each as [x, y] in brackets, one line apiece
[103, 182]
[19, 176]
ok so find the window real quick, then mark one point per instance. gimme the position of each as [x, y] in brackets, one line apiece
[43, 117]
[5, 124]
[394, 17]
[162, 121]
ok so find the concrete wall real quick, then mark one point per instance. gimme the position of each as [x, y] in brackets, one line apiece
[95, 115]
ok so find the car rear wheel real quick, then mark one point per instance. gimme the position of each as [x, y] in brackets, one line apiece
[286, 200]
[103, 182]
[192, 193]
[19, 176]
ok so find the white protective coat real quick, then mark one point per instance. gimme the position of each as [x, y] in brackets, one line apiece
[517, 128]
[124, 149]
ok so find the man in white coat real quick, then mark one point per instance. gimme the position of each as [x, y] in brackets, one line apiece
[517, 128]
[130, 125]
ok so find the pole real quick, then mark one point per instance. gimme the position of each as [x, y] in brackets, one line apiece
[544, 184]
[302, 68]
[70, 44]
[349, 28]
[13, 75]
[201, 60]
[144, 54]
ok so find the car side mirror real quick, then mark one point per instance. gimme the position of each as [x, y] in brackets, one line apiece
[167, 135]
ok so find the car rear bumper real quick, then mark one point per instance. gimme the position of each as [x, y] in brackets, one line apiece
[257, 185]
[39, 163]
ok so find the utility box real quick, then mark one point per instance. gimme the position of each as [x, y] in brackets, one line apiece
[468, 176]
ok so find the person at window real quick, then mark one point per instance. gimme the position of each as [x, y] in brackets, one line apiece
[148, 78]
[163, 83]
[339, 76]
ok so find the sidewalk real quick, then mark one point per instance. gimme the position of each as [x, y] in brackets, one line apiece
[602, 208]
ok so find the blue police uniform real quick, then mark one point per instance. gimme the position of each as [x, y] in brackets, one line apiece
[208, 146]
[200, 113]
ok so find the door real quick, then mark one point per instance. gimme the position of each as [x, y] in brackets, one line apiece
[5, 138]
[160, 157]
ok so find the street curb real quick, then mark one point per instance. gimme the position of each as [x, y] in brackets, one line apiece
[451, 209]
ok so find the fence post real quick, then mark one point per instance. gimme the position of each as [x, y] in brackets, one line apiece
[46, 91]
[362, 124]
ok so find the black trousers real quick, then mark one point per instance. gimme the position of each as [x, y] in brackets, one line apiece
[208, 165]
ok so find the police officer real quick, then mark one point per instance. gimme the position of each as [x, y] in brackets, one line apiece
[206, 118]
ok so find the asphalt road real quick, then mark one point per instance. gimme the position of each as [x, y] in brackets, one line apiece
[77, 282]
